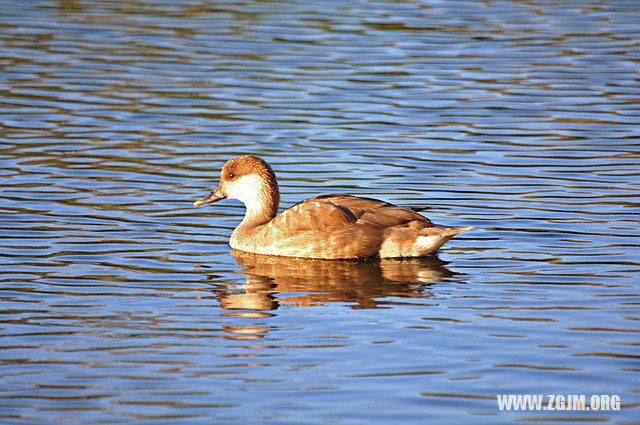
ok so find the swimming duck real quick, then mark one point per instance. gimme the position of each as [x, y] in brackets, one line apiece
[326, 226]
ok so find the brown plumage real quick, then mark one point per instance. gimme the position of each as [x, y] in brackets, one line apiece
[326, 226]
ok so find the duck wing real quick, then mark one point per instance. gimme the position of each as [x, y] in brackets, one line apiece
[314, 214]
[373, 211]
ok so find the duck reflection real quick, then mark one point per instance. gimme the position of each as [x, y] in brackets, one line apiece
[306, 282]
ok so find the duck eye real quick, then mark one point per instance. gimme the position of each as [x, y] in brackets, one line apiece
[231, 175]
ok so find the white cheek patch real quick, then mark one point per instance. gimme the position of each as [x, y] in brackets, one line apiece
[247, 190]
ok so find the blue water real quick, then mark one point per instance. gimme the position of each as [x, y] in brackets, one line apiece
[120, 303]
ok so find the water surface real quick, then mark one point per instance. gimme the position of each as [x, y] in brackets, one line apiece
[120, 303]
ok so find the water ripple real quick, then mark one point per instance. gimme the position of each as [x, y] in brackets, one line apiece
[121, 303]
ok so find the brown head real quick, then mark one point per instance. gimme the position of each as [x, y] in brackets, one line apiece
[250, 180]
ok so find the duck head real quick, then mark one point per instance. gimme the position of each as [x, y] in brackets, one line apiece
[251, 181]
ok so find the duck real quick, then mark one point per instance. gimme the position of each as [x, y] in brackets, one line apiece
[331, 227]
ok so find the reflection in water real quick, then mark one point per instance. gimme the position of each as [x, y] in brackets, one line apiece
[302, 281]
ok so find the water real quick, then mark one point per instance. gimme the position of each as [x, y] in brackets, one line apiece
[120, 303]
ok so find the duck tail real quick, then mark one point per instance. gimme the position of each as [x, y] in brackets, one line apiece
[452, 231]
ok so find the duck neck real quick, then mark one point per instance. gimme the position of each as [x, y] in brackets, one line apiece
[261, 209]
